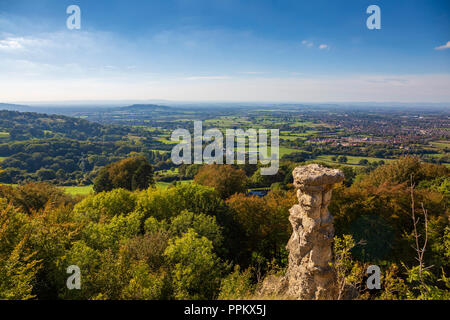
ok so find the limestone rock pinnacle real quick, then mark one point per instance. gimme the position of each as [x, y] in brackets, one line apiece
[309, 275]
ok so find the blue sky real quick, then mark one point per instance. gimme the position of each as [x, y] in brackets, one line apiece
[225, 50]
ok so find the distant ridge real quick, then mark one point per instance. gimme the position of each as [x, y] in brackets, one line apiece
[144, 107]
[16, 107]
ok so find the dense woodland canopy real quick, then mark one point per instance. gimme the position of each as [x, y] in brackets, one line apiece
[191, 241]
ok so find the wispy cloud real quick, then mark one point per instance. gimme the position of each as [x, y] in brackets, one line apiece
[19, 43]
[443, 47]
[307, 43]
[310, 44]
[207, 78]
[10, 44]
[253, 72]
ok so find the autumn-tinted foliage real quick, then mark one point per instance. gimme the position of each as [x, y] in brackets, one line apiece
[184, 242]
[131, 174]
[225, 179]
[33, 197]
[265, 222]
[378, 210]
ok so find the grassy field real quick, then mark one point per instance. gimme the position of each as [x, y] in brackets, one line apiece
[352, 160]
[165, 140]
[164, 185]
[442, 144]
[82, 190]
[86, 190]
[167, 172]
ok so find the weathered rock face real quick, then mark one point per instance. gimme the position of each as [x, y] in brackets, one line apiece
[309, 274]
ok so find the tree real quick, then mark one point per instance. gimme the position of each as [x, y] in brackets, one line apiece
[131, 174]
[167, 203]
[104, 206]
[401, 170]
[33, 197]
[363, 162]
[18, 264]
[143, 177]
[264, 222]
[342, 159]
[45, 174]
[225, 179]
[349, 273]
[195, 268]
[102, 182]
[204, 225]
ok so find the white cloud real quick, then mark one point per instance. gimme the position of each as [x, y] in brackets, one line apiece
[11, 44]
[443, 47]
[308, 44]
[22, 43]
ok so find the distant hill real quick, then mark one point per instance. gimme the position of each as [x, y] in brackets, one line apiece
[28, 125]
[15, 107]
[144, 108]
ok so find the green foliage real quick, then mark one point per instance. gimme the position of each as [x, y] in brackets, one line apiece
[17, 274]
[259, 180]
[203, 225]
[171, 243]
[145, 285]
[110, 234]
[400, 172]
[393, 285]
[196, 269]
[18, 264]
[237, 285]
[424, 289]
[342, 159]
[349, 273]
[104, 205]
[164, 204]
[131, 174]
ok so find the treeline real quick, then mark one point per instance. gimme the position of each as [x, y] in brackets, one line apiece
[394, 151]
[65, 161]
